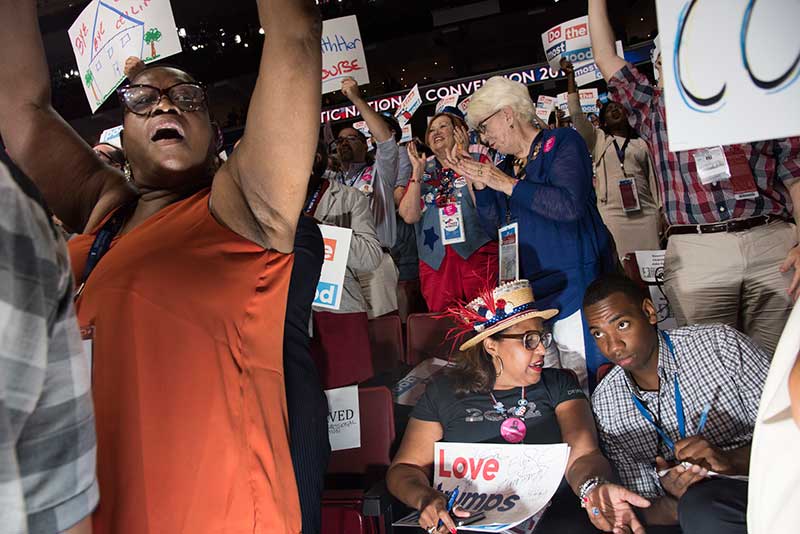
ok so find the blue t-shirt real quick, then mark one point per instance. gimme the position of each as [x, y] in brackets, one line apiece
[563, 243]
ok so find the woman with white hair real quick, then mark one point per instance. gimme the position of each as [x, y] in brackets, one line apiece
[544, 186]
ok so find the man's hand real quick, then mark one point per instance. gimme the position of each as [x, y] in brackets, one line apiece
[793, 262]
[614, 506]
[678, 479]
[350, 89]
[697, 450]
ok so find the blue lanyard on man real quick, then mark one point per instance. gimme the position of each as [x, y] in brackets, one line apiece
[678, 404]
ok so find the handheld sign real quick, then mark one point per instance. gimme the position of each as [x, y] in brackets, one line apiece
[544, 106]
[344, 418]
[509, 483]
[722, 58]
[331, 280]
[112, 136]
[342, 53]
[410, 105]
[588, 98]
[568, 40]
[450, 101]
[109, 32]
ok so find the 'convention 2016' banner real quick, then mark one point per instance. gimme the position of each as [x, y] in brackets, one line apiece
[731, 71]
[107, 33]
[342, 53]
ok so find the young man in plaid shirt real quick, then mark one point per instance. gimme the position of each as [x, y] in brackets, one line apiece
[684, 395]
[732, 256]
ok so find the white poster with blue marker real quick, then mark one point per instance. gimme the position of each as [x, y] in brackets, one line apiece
[731, 71]
[108, 32]
[342, 53]
[331, 280]
[511, 484]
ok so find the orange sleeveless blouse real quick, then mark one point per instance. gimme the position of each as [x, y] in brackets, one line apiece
[188, 381]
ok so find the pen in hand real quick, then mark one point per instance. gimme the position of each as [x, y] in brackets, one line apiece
[450, 503]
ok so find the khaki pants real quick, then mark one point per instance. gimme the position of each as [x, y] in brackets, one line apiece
[732, 278]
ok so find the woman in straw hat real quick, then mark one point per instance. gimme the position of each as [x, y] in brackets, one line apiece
[500, 392]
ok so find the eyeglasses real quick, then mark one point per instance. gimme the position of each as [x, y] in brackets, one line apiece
[142, 99]
[481, 128]
[339, 140]
[531, 339]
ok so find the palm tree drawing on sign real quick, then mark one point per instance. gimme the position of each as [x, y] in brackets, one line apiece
[89, 79]
[152, 36]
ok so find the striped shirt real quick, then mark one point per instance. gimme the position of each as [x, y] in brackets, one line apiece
[775, 164]
[47, 437]
[714, 364]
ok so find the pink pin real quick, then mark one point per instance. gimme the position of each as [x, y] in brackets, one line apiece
[513, 430]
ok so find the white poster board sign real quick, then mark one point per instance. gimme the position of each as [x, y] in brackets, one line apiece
[450, 101]
[408, 134]
[562, 103]
[112, 136]
[651, 265]
[568, 40]
[408, 390]
[588, 72]
[509, 483]
[344, 419]
[723, 57]
[588, 98]
[331, 280]
[544, 106]
[410, 105]
[107, 33]
[342, 53]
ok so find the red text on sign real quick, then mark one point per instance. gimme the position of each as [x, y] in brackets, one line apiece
[469, 467]
[343, 67]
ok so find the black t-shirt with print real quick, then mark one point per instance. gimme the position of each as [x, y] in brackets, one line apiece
[471, 418]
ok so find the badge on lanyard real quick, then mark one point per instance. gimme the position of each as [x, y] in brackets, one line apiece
[509, 252]
[630, 195]
[712, 165]
[87, 336]
[742, 181]
[451, 223]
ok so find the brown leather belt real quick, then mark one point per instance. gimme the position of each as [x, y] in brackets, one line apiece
[735, 225]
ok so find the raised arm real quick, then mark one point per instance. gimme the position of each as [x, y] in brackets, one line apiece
[77, 185]
[582, 124]
[260, 192]
[409, 207]
[378, 127]
[602, 35]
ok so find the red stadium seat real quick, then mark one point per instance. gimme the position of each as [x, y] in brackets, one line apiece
[386, 342]
[362, 509]
[427, 338]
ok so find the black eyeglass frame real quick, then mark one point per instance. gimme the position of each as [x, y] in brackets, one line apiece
[203, 105]
[545, 338]
[481, 127]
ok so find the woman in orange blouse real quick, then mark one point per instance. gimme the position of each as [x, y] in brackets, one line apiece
[186, 304]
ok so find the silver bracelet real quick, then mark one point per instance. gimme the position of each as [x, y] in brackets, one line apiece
[588, 486]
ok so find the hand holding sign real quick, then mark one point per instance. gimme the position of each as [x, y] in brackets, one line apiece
[433, 508]
[350, 89]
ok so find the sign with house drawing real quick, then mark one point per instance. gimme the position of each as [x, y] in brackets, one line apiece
[108, 32]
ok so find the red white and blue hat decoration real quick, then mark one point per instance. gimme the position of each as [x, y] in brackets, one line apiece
[495, 310]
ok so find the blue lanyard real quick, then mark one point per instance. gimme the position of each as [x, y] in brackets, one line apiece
[678, 403]
[102, 242]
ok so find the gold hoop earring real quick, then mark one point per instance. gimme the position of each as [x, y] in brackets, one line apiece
[500, 372]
